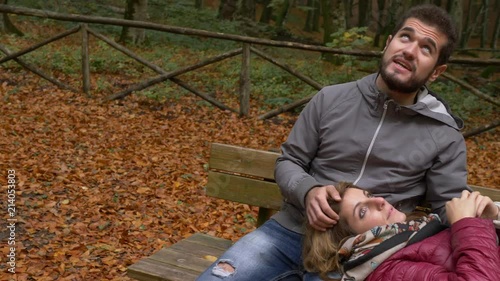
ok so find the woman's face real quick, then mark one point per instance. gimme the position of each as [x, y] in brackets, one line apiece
[362, 211]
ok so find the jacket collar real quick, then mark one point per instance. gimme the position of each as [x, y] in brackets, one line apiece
[428, 103]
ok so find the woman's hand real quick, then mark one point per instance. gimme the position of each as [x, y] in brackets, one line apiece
[486, 208]
[471, 205]
[463, 207]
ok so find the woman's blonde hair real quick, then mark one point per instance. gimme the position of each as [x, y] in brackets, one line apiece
[320, 248]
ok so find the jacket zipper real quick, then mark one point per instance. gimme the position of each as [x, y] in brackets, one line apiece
[371, 143]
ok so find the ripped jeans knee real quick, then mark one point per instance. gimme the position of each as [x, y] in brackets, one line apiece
[223, 268]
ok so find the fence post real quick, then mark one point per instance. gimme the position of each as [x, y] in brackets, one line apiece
[85, 60]
[245, 81]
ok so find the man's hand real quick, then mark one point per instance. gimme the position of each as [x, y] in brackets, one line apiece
[318, 211]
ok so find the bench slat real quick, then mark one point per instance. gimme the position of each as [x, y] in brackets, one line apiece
[244, 190]
[493, 193]
[207, 240]
[241, 160]
[152, 270]
[183, 261]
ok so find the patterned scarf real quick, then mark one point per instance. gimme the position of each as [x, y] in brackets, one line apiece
[361, 254]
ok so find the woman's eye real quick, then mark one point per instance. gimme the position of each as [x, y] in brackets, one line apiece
[362, 212]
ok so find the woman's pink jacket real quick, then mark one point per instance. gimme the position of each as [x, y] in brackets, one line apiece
[468, 250]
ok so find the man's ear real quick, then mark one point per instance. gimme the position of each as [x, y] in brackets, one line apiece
[389, 39]
[437, 71]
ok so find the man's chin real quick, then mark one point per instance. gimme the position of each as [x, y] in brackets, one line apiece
[401, 86]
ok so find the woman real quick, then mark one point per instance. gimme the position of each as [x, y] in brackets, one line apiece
[373, 240]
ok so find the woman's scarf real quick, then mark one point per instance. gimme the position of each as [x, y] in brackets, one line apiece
[361, 254]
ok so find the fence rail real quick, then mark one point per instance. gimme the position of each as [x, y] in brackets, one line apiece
[245, 51]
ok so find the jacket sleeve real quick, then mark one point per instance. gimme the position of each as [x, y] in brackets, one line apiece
[475, 255]
[292, 167]
[447, 177]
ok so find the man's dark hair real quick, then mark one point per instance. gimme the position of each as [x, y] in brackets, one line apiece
[436, 17]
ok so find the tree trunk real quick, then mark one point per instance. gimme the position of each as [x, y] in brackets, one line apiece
[313, 16]
[6, 26]
[456, 10]
[484, 24]
[363, 13]
[282, 14]
[317, 16]
[198, 4]
[467, 27]
[386, 21]
[310, 16]
[267, 12]
[248, 9]
[227, 9]
[135, 10]
[327, 10]
[496, 31]
[381, 12]
[347, 13]
[392, 17]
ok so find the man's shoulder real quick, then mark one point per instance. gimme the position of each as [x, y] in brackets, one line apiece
[360, 85]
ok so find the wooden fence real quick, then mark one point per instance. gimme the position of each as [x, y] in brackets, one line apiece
[245, 51]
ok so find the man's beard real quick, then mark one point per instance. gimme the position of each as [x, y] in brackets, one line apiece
[394, 84]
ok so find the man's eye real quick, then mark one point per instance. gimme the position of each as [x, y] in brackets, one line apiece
[405, 37]
[426, 49]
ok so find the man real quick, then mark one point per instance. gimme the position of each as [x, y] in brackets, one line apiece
[385, 132]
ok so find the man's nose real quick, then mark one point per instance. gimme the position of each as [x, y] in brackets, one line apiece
[410, 51]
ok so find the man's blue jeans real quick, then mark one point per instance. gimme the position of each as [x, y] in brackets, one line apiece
[269, 253]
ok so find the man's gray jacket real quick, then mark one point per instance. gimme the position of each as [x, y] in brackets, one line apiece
[352, 132]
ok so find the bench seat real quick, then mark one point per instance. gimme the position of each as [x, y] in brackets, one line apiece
[183, 261]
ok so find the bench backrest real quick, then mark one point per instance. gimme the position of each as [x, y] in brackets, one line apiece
[493, 193]
[246, 176]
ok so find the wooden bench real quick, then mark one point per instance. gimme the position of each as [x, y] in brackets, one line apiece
[237, 174]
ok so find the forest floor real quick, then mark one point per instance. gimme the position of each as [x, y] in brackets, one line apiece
[100, 185]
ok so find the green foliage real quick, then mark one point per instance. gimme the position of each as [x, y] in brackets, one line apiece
[184, 14]
[462, 103]
[66, 60]
[274, 86]
[159, 92]
[108, 60]
[354, 38]
[250, 218]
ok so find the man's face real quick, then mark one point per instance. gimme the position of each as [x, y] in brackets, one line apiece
[410, 57]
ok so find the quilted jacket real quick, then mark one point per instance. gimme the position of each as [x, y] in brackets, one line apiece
[469, 250]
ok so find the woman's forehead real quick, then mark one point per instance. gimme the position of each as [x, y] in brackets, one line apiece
[351, 197]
